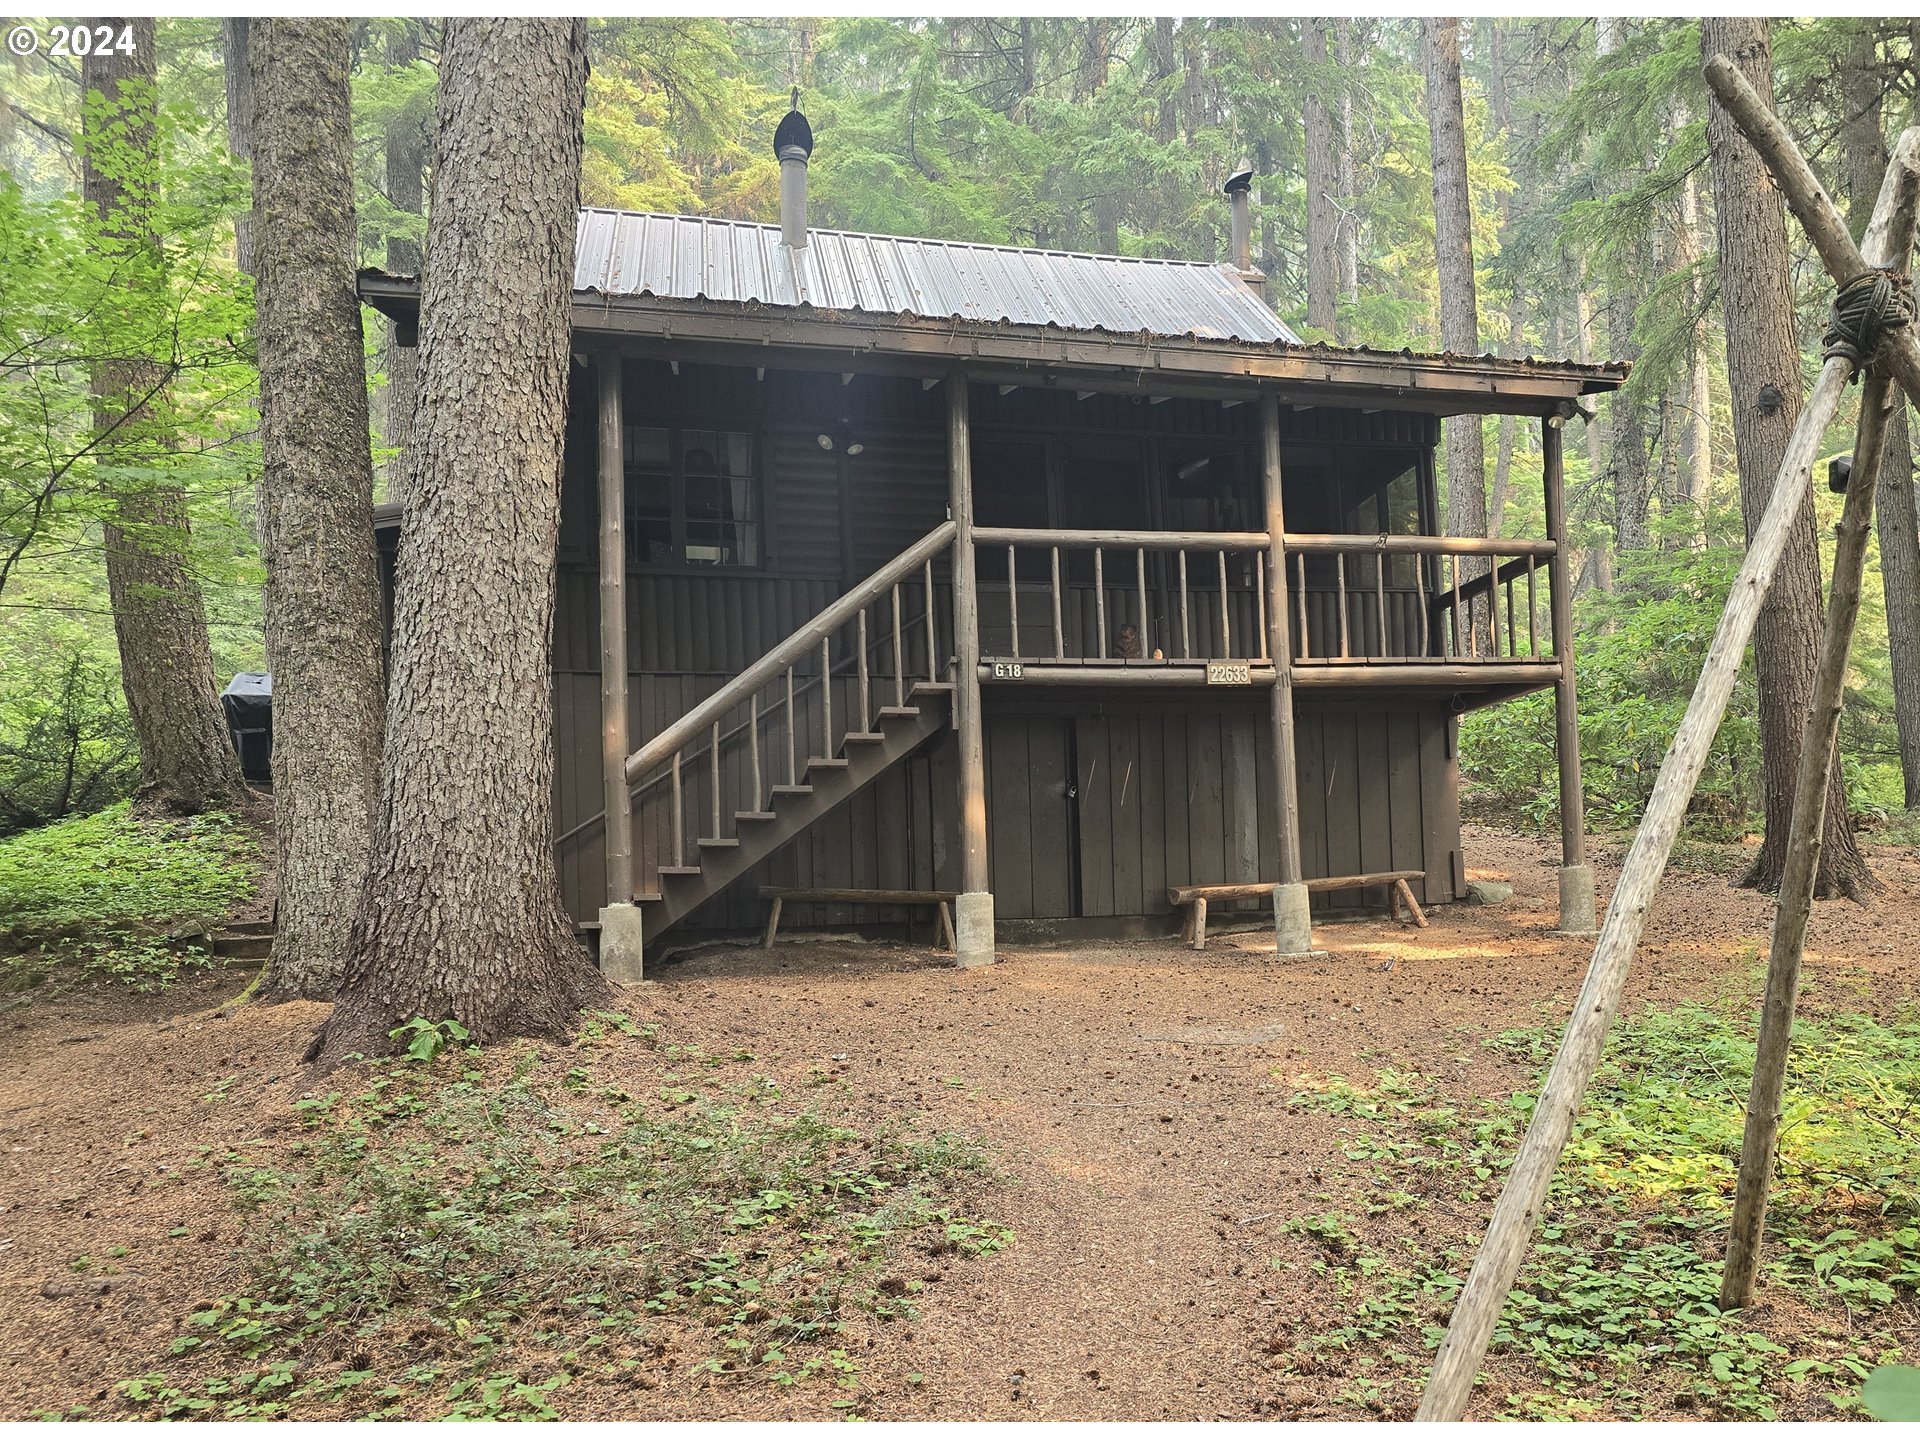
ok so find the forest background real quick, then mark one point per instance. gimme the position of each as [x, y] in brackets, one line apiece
[1593, 238]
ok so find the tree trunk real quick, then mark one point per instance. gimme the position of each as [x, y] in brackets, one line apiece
[187, 764]
[406, 157]
[1601, 568]
[1899, 525]
[1459, 308]
[1323, 215]
[1763, 377]
[316, 500]
[461, 917]
[1699, 394]
[234, 36]
[1349, 230]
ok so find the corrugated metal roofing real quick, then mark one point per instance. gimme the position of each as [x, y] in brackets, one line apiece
[690, 257]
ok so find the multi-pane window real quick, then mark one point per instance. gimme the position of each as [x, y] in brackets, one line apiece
[1354, 490]
[693, 497]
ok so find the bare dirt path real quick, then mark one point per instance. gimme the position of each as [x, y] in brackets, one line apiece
[1136, 1094]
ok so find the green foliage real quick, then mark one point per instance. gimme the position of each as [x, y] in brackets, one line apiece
[98, 892]
[1892, 1393]
[514, 1235]
[1615, 1311]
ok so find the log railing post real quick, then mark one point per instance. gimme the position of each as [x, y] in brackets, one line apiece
[1576, 876]
[973, 911]
[620, 925]
[1292, 917]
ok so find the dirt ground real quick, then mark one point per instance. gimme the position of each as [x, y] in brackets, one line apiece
[1136, 1093]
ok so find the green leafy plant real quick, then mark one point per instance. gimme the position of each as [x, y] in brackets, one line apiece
[1892, 1393]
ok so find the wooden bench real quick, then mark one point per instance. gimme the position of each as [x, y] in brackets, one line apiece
[780, 894]
[1195, 897]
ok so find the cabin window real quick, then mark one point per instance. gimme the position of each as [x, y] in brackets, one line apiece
[693, 497]
[1354, 490]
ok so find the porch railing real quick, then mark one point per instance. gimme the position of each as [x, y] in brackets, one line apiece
[1121, 595]
[1419, 597]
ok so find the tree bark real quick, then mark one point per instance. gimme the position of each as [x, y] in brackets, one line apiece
[1699, 393]
[235, 36]
[1763, 375]
[187, 764]
[316, 500]
[1349, 227]
[406, 161]
[1601, 566]
[1898, 515]
[461, 917]
[1323, 214]
[1459, 305]
[1627, 408]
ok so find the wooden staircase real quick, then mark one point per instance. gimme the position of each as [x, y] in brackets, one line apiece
[827, 782]
[781, 708]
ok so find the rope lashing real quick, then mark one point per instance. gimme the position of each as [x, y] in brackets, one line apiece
[1866, 307]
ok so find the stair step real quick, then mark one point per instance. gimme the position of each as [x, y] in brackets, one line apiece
[864, 737]
[718, 843]
[793, 790]
[825, 762]
[899, 712]
[646, 897]
[742, 817]
[678, 870]
[932, 687]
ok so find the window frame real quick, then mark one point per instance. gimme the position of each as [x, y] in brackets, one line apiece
[679, 563]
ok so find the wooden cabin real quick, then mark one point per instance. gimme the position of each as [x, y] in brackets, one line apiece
[1046, 581]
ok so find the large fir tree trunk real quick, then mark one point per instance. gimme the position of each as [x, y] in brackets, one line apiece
[316, 499]
[1899, 524]
[1628, 432]
[462, 916]
[1459, 305]
[187, 764]
[1764, 379]
[406, 160]
[1323, 213]
[1349, 223]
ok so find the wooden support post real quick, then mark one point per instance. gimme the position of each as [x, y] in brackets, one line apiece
[1293, 929]
[773, 921]
[1889, 236]
[973, 911]
[1576, 876]
[620, 947]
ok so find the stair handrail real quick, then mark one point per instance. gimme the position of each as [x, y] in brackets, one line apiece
[797, 646]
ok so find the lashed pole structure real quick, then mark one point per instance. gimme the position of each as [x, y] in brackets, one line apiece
[1524, 1194]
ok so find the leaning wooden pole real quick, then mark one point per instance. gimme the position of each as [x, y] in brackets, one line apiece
[1761, 1139]
[1525, 1191]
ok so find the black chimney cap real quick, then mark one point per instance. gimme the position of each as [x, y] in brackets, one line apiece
[793, 134]
[1241, 179]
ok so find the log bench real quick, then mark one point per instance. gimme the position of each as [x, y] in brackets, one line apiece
[1195, 897]
[780, 894]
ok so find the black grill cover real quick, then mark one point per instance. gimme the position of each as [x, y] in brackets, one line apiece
[248, 703]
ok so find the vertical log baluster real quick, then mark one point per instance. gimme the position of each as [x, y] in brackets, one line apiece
[933, 662]
[1453, 572]
[1380, 599]
[1473, 624]
[1513, 645]
[1186, 631]
[1100, 600]
[679, 821]
[713, 768]
[1140, 584]
[1226, 626]
[1059, 631]
[753, 751]
[1340, 577]
[860, 668]
[899, 654]
[1013, 605]
[826, 697]
[793, 757]
[1300, 591]
[1533, 614]
[1260, 595]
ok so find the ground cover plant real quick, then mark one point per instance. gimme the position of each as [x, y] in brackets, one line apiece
[1615, 1313]
[443, 1242]
[115, 895]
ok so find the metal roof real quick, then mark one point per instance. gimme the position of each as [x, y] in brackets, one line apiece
[690, 257]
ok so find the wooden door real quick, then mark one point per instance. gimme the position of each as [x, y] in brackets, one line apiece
[1032, 834]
